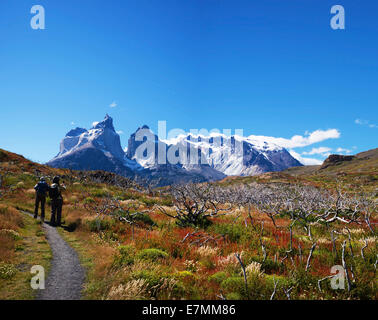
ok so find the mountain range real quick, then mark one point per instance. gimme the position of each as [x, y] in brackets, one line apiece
[186, 158]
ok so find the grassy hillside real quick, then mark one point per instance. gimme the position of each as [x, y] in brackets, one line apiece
[134, 246]
[358, 174]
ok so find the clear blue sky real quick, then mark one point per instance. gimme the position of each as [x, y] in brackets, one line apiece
[270, 67]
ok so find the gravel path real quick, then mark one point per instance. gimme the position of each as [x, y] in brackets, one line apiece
[66, 276]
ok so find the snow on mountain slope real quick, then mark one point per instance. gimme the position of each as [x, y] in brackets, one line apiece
[236, 155]
[156, 155]
[182, 159]
[101, 136]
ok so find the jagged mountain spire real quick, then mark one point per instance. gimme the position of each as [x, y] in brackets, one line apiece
[107, 123]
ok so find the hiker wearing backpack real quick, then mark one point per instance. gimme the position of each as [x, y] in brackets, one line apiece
[55, 193]
[41, 189]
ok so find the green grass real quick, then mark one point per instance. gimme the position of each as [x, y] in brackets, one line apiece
[31, 249]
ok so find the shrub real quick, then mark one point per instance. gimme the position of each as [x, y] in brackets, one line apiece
[19, 247]
[151, 254]
[234, 284]
[177, 251]
[269, 265]
[100, 193]
[149, 202]
[233, 232]
[218, 277]
[254, 269]
[282, 281]
[184, 275]
[20, 185]
[10, 180]
[99, 225]
[233, 296]
[208, 263]
[158, 284]
[300, 278]
[256, 287]
[191, 265]
[39, 233]
[7, 271]
[72, 226]
[88, 200]
[145, 218]
[125, 256]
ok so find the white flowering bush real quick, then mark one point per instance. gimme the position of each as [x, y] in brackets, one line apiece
[207, 251]
[192, 266]
[254, 269]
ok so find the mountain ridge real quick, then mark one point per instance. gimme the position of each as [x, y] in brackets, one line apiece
[168, 161]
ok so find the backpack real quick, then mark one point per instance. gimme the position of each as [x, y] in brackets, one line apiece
[54, 192]
[41, 187]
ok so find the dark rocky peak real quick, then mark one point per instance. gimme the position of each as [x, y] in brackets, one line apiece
[133, 144]
[335, 159]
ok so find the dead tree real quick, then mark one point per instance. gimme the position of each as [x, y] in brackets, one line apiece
[310, 256]
[195, 203]
[345, 265]
[363, 248]
[275, 283]
[237, 255]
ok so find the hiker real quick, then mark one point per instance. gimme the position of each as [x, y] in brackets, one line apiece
[55, 193]
[40, 197]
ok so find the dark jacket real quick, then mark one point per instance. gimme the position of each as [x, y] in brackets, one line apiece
[41, 187]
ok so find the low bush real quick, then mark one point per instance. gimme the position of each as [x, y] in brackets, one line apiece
[233, 232]
[7, 271]
[97, 225]
[145, 218]
[72, 226]
[234, 284]
[152, 254]
[125, 256]
[218, 277]
[184, 275]
[100, 193]
[88, 200]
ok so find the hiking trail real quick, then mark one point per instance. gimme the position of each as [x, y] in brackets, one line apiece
[65, 279]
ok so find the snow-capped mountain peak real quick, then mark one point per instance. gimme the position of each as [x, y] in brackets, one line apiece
[101, 136]
[187, 157]
[237, 155]
[107, 123]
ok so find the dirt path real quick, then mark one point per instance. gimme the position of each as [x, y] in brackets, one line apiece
[66, 276]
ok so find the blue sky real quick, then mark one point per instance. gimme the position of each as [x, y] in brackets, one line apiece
[273, 68]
